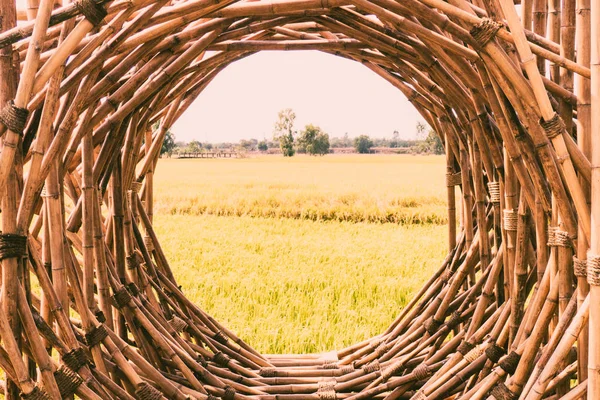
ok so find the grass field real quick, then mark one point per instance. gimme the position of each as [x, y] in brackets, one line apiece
[298, 281]
[357, 188]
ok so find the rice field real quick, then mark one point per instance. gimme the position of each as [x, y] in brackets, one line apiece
[244, 247]
[402, 189]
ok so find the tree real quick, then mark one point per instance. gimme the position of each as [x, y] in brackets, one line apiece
[363, 144]
[284, 131]
[421, 130]
[395, 139]
[434, 143]
[246, 144]
[194, 146]
[313, 141]
[168, 144]
[263, 146]
[347, 142]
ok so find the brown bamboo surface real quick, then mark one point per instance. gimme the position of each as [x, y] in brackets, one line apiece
[513, 92]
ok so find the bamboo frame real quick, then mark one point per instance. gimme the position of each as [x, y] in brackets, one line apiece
[520, 141]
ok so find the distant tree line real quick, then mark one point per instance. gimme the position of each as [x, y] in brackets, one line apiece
[311, 140]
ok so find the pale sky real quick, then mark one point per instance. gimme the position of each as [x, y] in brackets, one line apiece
[336, 94]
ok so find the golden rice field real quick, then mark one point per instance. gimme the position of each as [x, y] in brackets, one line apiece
[357, 188]
[294, 254]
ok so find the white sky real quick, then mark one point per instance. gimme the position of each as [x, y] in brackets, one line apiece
[336, 94]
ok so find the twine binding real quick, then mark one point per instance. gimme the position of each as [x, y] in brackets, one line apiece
[75, 359]
[511, 219]
[421, 372]
[494, 189]
[494, 353]
[96, 335]
[13, 117]
[593, 269]
[67, 381]
[579, 267]
[145, 391]
[553, 127]
[501, 392]
[485, 31]
[35, 394]
[93, 12]
[229, 393]
[558, 237]
[178, 324]
[12, 245]
[453, 179]
[510, 362]
[122, 297]
[371, 367]
[221, 359]
[268, 372]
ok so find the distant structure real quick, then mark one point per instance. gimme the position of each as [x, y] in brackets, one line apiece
[512, 312]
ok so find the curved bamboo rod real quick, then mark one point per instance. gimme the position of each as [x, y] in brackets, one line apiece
[81, 87]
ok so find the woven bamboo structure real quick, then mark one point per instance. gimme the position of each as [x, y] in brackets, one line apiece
[513, 91]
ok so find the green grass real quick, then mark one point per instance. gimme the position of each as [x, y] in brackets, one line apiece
[292, 285]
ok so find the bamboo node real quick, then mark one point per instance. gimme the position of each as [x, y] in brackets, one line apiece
[465, 347]
[35, 394]
[371, 367]
[579, 267]
[509, 363]
[494, 353]
[421, 371]
[553, 127]
[229, 393]
[511, 219]
[485, 31]
[75, 359]
[557, 237]
[67, 381]
[593, 270]
[453, 179]
[221, 337]
[178, 324]
[96, 335]
[93, 12]
[122, 297]
[145, 391]
[221, 359]
[501, 392]
[494, 189]
[12, 245]
[13, 117]
[432, 325]
[268, 372]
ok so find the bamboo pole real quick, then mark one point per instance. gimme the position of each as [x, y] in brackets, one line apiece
[499, 290]
[594, 339]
